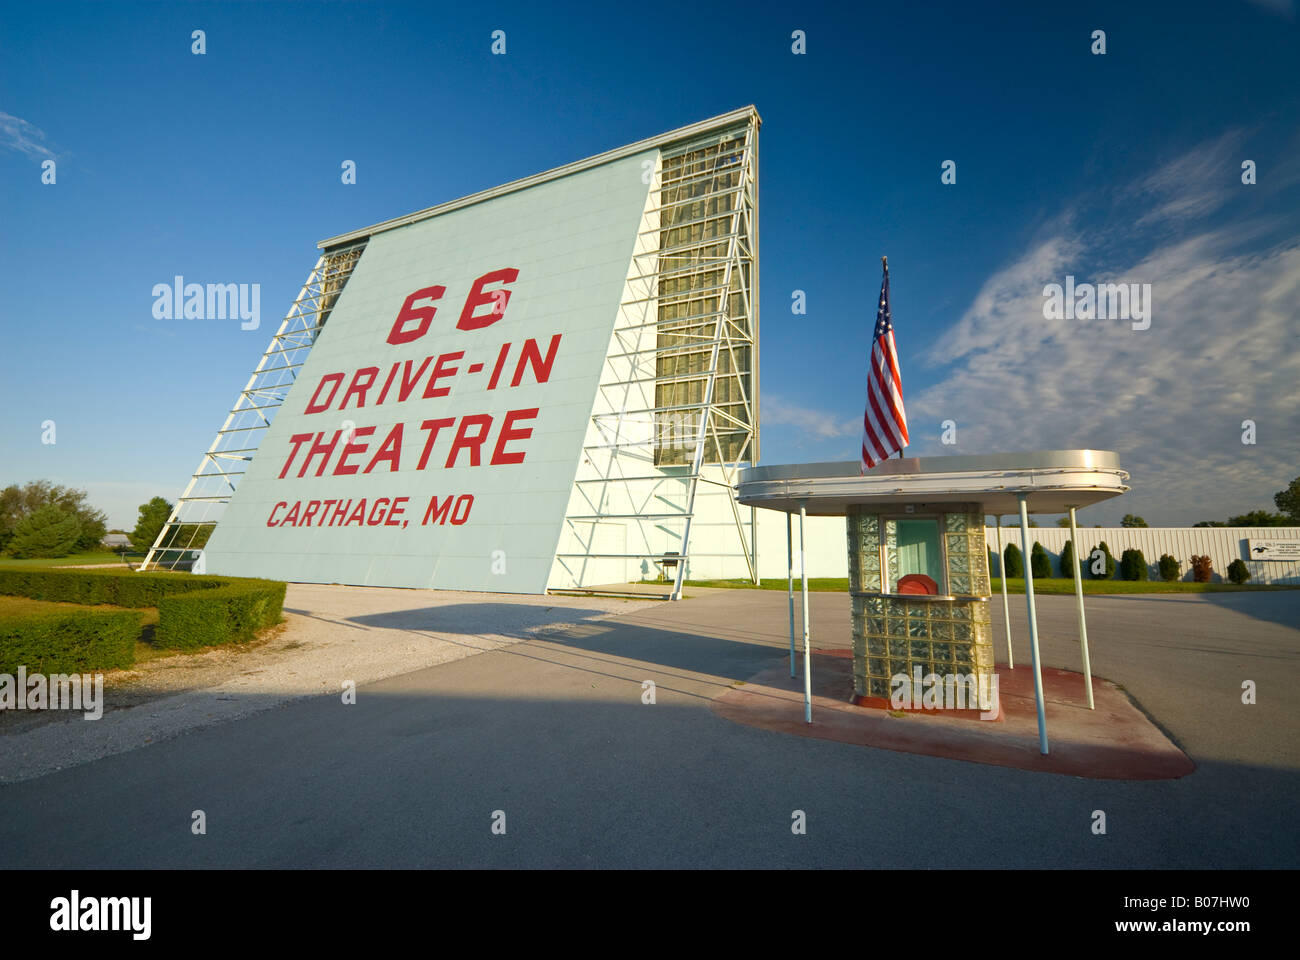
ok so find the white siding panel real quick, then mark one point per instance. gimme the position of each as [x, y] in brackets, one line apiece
[1221, 544]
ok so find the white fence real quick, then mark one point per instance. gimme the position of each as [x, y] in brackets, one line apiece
[1221, 544]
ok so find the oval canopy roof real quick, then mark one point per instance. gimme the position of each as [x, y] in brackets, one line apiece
[1053, 481]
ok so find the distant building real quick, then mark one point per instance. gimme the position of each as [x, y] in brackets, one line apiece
[1221, 544]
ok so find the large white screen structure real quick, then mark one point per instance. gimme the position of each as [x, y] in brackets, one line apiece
[445, 459]
[547, 385]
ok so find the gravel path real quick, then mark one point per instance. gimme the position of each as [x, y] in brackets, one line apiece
[333, 634]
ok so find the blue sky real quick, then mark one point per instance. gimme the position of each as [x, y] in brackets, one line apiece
[1120, 167]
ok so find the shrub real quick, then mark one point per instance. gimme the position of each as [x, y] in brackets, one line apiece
[1238, 572]
[229, 614]
[49, 531]
[1132, 565]
[217, 609]
[1067, 559]
[119, 587]
[1110, 563]
[76, 641]
[1013, 562]
[1039, 562]
[1169, 568]
[1201, 569]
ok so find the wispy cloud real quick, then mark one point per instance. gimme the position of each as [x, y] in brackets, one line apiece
[820, 424]
[1011, 291]
[18, 135]
[1283, 8]
[1223, 347]
[1191, 185]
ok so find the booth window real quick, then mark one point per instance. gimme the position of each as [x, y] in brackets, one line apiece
[917, 552]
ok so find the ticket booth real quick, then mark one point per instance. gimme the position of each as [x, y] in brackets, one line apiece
[918, 563]
[919, 579]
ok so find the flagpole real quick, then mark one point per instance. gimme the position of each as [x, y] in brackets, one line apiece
[884, 266]
[883, 435]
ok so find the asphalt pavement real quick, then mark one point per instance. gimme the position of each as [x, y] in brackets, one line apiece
[543, 754]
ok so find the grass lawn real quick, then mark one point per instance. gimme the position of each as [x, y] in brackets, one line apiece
[71, 559]
[144, 648]
[1053, 585]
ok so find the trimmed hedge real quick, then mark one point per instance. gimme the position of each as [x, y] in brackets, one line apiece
[1168, 568]
[75, 641]
[1132, 565]
[1067, 560]
[120, 588]
[1238, 572]
[1013, 561]
[1039, 563]
[228, 614]
[193, 611]
[1110, 562]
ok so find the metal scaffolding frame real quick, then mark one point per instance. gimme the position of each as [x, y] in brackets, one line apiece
[632, 486]
[200, 507]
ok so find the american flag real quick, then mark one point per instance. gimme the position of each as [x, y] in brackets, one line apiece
[884, 425]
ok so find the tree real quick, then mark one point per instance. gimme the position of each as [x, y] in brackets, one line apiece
[152, 517]
[1131, 520]
[1013, 562]
[1132, 565]
[1067, 559]
[49, 531]
[18, 502]
[1238, 572]
[92, 529]
[1109, 562]
[12, 511]
[1062, 521]
[1259, 518]
[1039, 562]
[1210, 523]
[1201, 569]
[191, 536]
[1288, 501]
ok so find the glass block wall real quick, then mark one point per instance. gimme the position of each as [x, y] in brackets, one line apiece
[893, 634]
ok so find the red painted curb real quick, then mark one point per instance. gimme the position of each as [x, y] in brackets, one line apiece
[1114, 741]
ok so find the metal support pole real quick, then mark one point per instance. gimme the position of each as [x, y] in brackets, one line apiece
[789, 581]
[1006, 605]
[1033, 625]
[807, 653]
[1078, 596]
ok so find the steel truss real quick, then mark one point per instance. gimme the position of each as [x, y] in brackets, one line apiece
[689, 302]
[200, 507]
